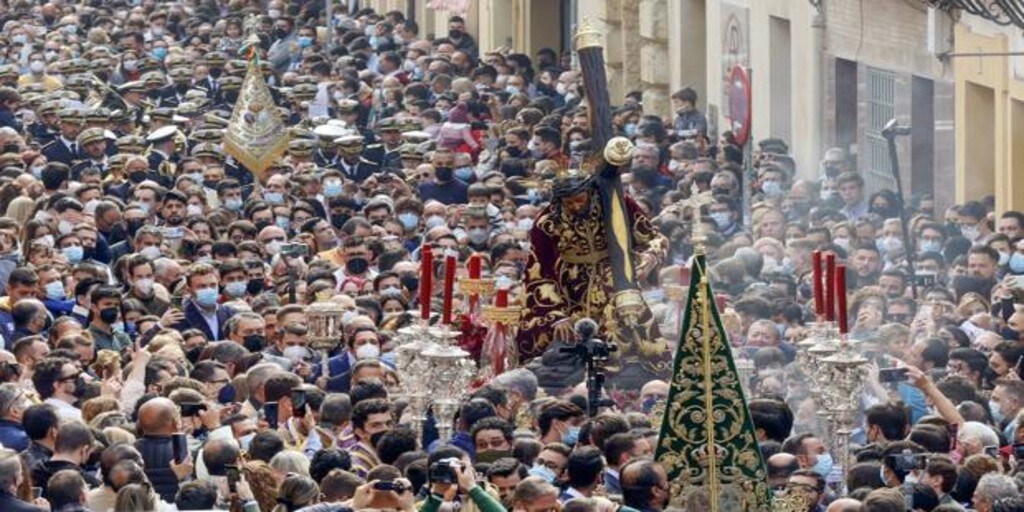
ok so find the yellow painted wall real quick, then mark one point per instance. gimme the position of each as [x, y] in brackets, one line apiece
[989, 120]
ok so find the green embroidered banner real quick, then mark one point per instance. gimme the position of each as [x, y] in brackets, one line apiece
[712, 458]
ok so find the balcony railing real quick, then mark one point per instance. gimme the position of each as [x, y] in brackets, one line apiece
[1002, 12]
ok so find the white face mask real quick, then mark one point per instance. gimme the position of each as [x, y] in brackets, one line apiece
[368, 351]
[295, 353]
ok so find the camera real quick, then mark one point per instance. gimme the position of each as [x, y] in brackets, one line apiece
[390, 485]
[189, 409]
[294, 250]
[892, 375]
[907, 462]
[588, 348]
[444, 471]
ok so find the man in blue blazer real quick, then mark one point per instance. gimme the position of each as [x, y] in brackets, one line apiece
[203, 312]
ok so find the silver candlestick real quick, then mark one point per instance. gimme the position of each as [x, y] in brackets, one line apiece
[413, 372]
[846, 371]
[449, 370]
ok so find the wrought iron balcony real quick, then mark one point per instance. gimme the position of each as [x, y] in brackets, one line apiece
[1002, 12]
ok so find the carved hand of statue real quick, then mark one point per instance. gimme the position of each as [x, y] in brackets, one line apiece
[618, 151]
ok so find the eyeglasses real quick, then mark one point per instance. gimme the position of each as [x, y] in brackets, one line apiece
[70, 377]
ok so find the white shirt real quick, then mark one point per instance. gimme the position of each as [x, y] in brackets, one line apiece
[65, 410]
[211, 320]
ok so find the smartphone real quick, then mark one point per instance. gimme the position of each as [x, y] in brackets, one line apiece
[180, 445]
[992, 451]
[1006, 308]
[1017, 282]
[37, 492]
[189, 409]
[924, 279]
[298, 402]
[892, 375]
[233, 477]
[385, 495]
[270, 414]
[954, 429]
[174, 232]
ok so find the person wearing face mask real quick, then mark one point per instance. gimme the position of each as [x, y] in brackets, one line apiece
[285, 44]
[457, 36]
[444, 188]
[37, 74]
[899, 463]
[492, 439]
[560, 422]
[810, 453]
[105, 324]
[363, 344]
[203, 311]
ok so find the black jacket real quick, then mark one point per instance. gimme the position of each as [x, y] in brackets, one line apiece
[157, 454]
[42, 473]
[35, 455]
[11, 503]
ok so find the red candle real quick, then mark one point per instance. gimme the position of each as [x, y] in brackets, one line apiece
[450, 262]
[830, 284]
[473, 266]
[426, 280]
[501, 299]
[819, 292]
[841, 297]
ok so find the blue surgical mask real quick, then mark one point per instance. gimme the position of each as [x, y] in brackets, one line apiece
[544, 472]
[235, 289]
[73, 254]
[722, 219]
[159, 53]
[305, 41]
[771, 188]
[1017, 263]
[409, 220]
[824, 465]
[206, 297]
[273, 197]
[931, 246]
[630, 129]
[333, 189]
[464, 173]
[282, 222]
[511, 89]
[571, 436]
[234, 204]
[246, 440]
[55, 290]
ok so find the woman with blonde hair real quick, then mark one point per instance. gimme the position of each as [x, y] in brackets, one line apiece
[95, 406]
[296, 492]
[135, 498]
[21, 209]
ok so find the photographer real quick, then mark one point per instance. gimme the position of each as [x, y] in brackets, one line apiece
[453, 480]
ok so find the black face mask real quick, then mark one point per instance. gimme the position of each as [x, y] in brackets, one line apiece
[153, 93]
[338, 220]
[216, 72]
[357, 265]
[410, 282]
[280, 33]
[261, 224]
[80, 387]
[193, 353]
[375, 438]
[109, 315]
[454, 34]
[133, 226]
[230, 96]
[254, 286]
[443, 173]
[137, 177]
[254, 343]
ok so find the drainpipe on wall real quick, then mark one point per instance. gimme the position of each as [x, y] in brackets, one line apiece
[814, 140]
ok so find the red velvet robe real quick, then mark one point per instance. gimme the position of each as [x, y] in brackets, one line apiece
[569, 276]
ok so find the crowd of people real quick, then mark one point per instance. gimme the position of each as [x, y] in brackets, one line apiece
[156, 351]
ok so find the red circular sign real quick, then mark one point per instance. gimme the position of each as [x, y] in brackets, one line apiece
[739, 104]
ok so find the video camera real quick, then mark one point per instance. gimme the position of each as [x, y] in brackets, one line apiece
[588, 348]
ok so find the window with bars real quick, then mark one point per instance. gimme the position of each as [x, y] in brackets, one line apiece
[881, 107]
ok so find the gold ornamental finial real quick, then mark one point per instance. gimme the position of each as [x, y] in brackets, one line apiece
[696, 201]
[587, 35]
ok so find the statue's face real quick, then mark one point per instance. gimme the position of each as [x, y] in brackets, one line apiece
[575, 203]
